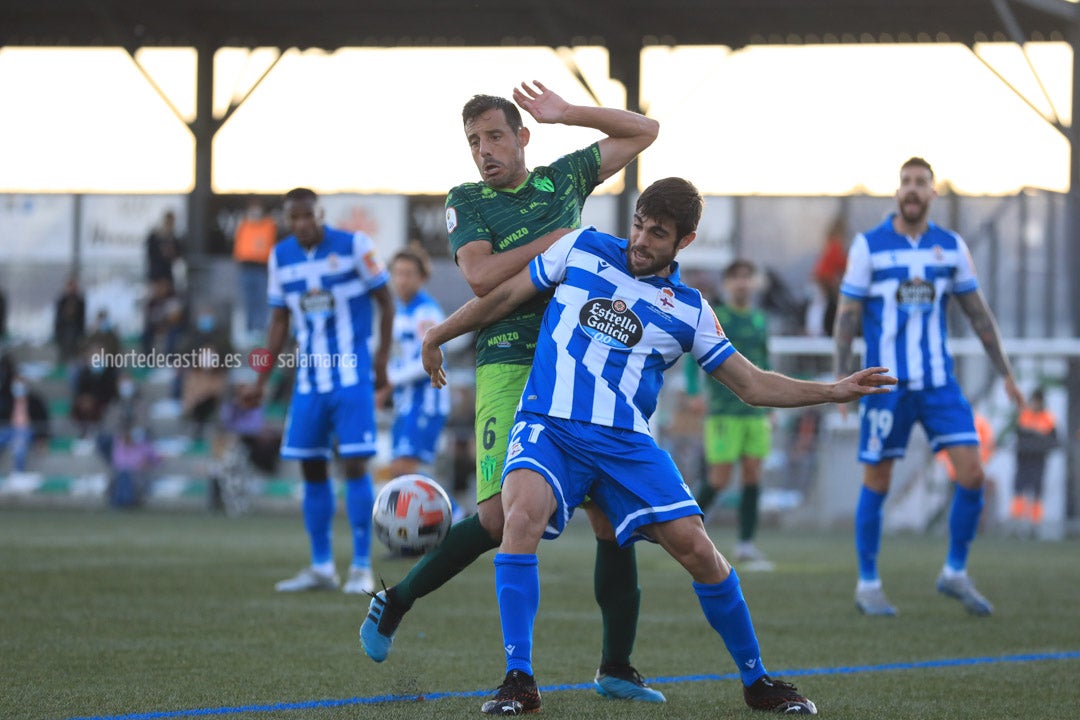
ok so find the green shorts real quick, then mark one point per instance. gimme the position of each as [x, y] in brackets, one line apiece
[729, 438]
[498, 392]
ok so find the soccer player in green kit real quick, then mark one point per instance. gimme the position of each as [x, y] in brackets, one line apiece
[734, 431]
[496, 227]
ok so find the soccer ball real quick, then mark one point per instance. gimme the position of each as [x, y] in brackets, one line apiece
[412, 515]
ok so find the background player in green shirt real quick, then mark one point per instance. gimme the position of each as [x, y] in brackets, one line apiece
[495, 228]
[735, 432]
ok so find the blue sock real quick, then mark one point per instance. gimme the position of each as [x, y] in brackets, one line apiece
[318, 509]
[868, 532]
[963, 522]
[517, 585]
[725, 609]
[359, 498]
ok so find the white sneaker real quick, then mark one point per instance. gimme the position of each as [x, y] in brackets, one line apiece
[749, 557]
[360, 582]
[309, 579]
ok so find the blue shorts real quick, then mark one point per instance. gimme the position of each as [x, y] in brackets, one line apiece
[885, 421]
[415, 434]
[632, 480]
[315, 420]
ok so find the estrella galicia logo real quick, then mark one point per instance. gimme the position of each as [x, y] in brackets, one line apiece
[611, 323]
[915, 295]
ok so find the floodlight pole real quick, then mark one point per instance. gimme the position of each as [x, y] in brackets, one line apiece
[1072, 254]
[203, 128]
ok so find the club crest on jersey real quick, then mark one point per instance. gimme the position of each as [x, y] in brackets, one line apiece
[611, 323]
[451, 219]
[544, 184]
[939, 253]
[665, 299]
[332, 261]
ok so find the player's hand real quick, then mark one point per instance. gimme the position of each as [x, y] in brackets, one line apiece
[432, 357]
[384, 397]
[1014, 393]
[544, 105]
[868, 381]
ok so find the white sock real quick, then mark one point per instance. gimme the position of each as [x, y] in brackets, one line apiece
[868, 585]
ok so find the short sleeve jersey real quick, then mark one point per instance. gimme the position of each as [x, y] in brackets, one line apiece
[905, 285]
[327, 291]
[551, 198]
[748, 332]
[412, 386]
[608, 337]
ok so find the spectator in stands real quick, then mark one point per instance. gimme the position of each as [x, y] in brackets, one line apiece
[24, 415]
[3, 315]
[102, 335]
[163, 249]
[164, 318]
[69, 321]
[827, 274]
[254, 239]
[133, 456]
[96, 386]
[203, 386]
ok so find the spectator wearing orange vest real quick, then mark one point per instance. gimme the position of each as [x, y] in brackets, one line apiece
[1036, 436]
[254, 239]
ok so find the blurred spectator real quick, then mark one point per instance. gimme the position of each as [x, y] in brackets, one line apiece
[133, 456]
[102, 335]
[827, 274]
[164, 318]
[69, 321]
[24, 416]
[95, 387]
[163, 249]
[204, 384]
[1036, 437]
[254, 239]
[3, 315]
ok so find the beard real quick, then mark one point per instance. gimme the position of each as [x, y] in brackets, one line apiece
[913, 210]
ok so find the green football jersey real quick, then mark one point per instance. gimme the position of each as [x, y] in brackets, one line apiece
[748, 332]
[552, 197]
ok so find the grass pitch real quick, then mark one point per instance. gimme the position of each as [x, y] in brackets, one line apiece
[161, 615]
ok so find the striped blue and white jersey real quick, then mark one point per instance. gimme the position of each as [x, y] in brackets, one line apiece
[327, 290]
[412, 385]
[607, 337]
[905, 285]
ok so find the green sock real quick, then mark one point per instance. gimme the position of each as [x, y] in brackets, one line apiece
[617, 593]
[705, 495]
[748, 512]
[466, 541]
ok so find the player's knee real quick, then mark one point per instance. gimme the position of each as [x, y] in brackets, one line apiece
[354, 467]
[491, 517]
[314, 470]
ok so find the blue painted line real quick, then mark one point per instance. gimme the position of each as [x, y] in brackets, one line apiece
[378, 699]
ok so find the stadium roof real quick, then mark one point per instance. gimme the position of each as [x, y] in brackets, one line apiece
[614, 23]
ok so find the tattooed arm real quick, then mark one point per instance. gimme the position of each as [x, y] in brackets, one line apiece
[982, 322]
[847, 327]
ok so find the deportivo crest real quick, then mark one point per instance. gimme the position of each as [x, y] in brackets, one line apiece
[665, 299]
[611, 323]
[451, 219]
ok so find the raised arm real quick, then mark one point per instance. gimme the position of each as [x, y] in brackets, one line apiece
[473, 315]
[484, 270]
[982, 322]
[628, 133]
[755, 386]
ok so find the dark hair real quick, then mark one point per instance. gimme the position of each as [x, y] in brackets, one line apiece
[301, 193]
[417, 256]
[917, 162]
[673, 198]
[480, 104]
[737, 266]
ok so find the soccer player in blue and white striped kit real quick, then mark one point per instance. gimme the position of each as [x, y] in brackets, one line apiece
[899, 278]
[324, 280]
[619, 318]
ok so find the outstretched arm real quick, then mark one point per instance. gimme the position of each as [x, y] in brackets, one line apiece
[628, 133]
[755, 386]
[473, 315]
[982, 322]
